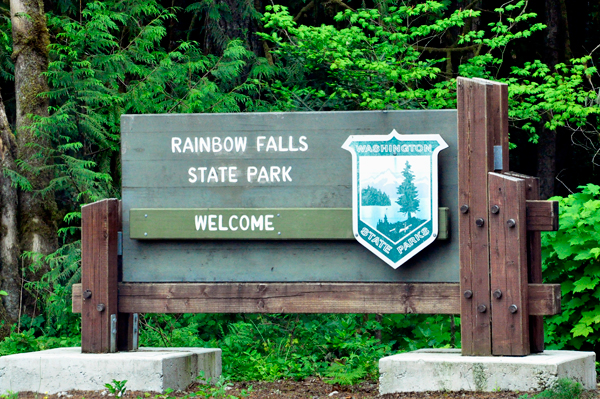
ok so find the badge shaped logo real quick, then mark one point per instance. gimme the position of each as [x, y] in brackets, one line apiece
[395, 193]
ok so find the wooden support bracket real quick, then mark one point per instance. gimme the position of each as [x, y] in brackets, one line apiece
[508, 261]
[103, 329]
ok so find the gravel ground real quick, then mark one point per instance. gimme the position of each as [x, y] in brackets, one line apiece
[307, 389]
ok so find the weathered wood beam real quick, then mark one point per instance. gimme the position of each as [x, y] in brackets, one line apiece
[423, 298]
[542, 215]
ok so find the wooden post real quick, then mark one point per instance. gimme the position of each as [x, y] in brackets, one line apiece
[479, 106]
[508, 261]
[534, 259]
[101, 222]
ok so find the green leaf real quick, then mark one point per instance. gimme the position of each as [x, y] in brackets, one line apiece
[581, 330]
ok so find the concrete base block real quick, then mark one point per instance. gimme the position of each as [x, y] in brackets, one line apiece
[149, 369]
[447, 370]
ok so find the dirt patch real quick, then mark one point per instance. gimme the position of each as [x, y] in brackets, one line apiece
[308, 389]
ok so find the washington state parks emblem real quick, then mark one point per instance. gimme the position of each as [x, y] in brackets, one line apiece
[395, 193]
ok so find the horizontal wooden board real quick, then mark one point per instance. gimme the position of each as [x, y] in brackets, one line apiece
[542, 215]
[154, 176]
[425, 298]
[249, 224]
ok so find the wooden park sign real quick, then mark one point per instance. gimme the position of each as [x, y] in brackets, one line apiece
[252, 213]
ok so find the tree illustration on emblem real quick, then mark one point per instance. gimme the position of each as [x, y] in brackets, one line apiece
[408, 197]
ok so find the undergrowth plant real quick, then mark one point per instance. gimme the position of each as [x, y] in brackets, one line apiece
[562, 389]
[342, 349]
[571, 259]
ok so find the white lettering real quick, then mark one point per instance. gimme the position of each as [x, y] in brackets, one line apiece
[275, 171]
[230, 224]
[263, 174]
[223, 169]
[212, 224]
[259, 143]
[232, 174]
[286, 174]
[216, 144]
[226, 142]
[251, 172]
[244, 219]
[202, 170]
[205, 144]
[240, 144]
[281, 147]
[303, 143]
[257, 222]
[269, 223]
[200, 222]
[193, 177]
[272, 144]
[291, 142]
[221, 227]
[212, 174]
[188, 145]
[175, 143]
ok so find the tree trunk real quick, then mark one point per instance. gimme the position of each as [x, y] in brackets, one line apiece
[556, 48]
[9, 242]
[30, 43]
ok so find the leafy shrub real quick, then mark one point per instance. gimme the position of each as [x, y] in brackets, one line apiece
[342, 349]
[571, 259]
[27, 341]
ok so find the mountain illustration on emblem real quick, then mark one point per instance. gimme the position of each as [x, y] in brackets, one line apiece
[391, 199]
[394, 196]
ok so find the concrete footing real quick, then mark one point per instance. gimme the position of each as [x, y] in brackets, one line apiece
[149, 369]
[447, 370]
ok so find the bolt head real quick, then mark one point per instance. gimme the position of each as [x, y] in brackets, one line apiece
[482, 308]
[495, 209]
[468, 294]
[512, 308]
[497, 294]
[87, 294]
[100, 307]
[479, 222]
[511, 223]
[464, 209]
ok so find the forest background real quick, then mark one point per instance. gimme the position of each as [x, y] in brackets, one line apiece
[69, 69]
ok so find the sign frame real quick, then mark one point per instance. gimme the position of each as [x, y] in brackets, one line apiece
[104, 299]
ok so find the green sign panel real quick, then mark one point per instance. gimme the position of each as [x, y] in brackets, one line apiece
[395, 193]
[240, 224]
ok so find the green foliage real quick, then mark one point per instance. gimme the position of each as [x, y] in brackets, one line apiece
[216, 389]
[374, 196]
[562, 389]
[341, 349]
[562, 97]
[10, 395]
[6, 65]
[117, 388]
[380, 58]
[571, 259]
[29, 341]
